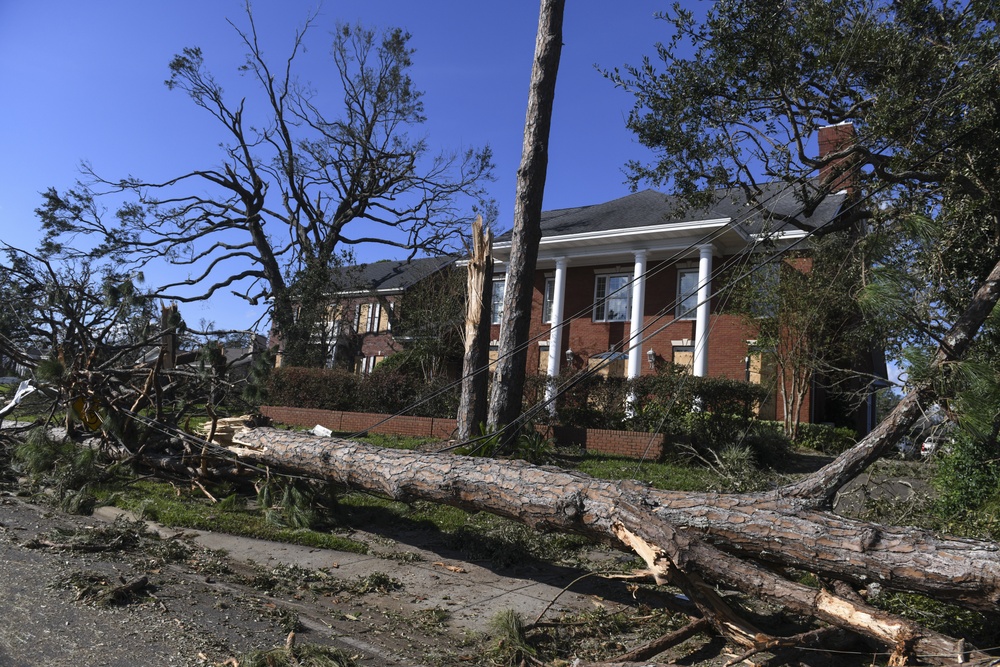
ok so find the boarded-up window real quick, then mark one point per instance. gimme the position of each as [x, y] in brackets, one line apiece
[608, 365]
[761, 370]
[383, 322]
[684, 356]
[543, 360]
[365, 365]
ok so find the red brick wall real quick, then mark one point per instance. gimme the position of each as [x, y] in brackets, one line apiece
[727, 339]
[620, 443]
[633, 444]
[355, 422]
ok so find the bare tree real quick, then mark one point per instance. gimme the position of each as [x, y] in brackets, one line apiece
[270, 221]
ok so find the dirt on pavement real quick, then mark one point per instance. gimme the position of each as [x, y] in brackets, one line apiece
[208, 598]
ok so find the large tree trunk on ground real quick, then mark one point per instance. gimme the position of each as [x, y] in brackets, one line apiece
[506, 392]
[673, 528]
[475, 363]
[702, 540]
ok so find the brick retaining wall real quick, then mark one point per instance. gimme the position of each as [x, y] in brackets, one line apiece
[355, 422]
[605, 441]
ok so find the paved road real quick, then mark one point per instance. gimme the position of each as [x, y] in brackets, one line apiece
[203, 611]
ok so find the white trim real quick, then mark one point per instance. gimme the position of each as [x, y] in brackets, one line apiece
[370, 292]
[778, 236]
[694, 225]
[613, 270]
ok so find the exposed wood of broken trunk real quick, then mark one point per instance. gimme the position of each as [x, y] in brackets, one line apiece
[550, 498]
[479, 291]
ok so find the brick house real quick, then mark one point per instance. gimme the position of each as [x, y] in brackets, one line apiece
[625, 284]
[358, 331]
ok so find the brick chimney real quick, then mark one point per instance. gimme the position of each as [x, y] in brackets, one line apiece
[834, 138]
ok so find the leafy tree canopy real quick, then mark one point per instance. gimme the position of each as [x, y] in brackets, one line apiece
[736, 98]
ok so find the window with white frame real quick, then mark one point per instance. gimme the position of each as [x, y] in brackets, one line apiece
[550, 288]
[687, 293]
[496, 305]
[613, 297]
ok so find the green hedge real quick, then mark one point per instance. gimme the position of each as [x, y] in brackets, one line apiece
[317, 388]
[826, 438]
[709, 414]
[385, 391]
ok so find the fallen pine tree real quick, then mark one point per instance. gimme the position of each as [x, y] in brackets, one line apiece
[695, 555]
[698, 541]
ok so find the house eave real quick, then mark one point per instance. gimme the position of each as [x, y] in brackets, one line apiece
[624, 236]
[346, 294]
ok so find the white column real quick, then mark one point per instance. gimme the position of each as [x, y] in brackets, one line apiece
[638, 305]
[704, 308]
[555, 333]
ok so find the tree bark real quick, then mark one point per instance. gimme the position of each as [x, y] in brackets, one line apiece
[475, 362]
[506, 392]
[554, 499]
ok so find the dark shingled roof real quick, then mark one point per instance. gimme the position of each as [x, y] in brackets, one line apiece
[388, 274]
[649, 208]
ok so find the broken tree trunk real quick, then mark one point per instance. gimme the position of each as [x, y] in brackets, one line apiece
[475, 363]
[550, 498]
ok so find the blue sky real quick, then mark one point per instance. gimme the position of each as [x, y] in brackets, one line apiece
[84, 81]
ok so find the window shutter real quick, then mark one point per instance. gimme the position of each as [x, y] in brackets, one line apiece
[600, 294]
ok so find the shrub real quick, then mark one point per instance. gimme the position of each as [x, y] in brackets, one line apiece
[320, 388]
[825, 438]
[385, 390]
[768, 442]
[968, 476]
[723, 396]
[589, 401]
